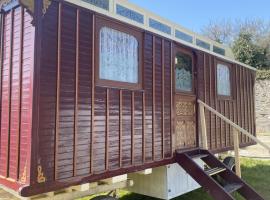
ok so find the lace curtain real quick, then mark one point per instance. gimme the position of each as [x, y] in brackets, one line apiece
[223, 80]
[183, 72]
[119, 59]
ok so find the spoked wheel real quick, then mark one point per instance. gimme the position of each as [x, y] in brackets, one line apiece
[104, 197]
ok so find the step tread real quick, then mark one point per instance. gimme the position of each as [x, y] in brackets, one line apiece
[199, 156]
[232, 187]
[213, 171]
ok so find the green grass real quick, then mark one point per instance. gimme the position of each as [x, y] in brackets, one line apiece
[255, 172]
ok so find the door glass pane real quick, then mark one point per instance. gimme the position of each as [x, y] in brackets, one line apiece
[183, 72]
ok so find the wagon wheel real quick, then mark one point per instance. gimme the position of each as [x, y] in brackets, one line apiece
[104, 197]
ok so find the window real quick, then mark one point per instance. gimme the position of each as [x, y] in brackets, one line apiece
[130, 14]
[223, 80]
[202, 44]
[118, 54]
[99, 3]
[183, 36]
[183, 72]
[219, 50]
[160, 26]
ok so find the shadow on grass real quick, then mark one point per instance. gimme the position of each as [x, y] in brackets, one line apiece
[255, 172]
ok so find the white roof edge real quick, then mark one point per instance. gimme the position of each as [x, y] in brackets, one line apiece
[112, 14]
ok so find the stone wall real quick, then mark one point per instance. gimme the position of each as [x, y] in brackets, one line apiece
[262, 107]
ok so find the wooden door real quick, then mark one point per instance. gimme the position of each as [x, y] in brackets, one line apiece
[185, 100]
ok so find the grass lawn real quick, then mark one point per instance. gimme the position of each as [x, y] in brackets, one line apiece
[255, 172]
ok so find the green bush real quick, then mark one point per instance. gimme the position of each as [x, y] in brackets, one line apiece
[263, 74]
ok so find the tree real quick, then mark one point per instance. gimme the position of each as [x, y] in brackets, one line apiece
[249, 39]
[247, 52]
[219, 31]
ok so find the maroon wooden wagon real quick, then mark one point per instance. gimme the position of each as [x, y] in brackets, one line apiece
[96, 89]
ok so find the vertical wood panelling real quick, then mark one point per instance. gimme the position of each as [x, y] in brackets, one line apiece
[143, 127]
[238, 109]
[59, 32]
[9, 143]
[157, 99]
[167, 99]
[114, 127]
[120, 127]
[126, 128]
[75, 140]
[213, 103]
[20, 89]
[67, 92]
[242, 108]
[48, 92]
[138, 128]
[2, 55]
[172, 132]
[5, 94]
[93, 129]
[92, 94]
[15, 95]
[162, 101]
[107, 129]
[132, 127]
[153, 96]
[27, 93]
[148, 87]
[99, 138]
[84, 114]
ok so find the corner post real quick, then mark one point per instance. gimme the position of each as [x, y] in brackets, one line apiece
[236, 152]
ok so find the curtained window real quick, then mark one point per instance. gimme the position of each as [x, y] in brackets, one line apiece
[223, 80]
[119, 56]
[183, 72]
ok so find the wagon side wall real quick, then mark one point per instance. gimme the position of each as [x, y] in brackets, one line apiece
[240, 107]
[86, 131]
[17, 44]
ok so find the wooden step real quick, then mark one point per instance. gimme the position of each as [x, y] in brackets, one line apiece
[199, 156]
[214, 171]
[232, 187]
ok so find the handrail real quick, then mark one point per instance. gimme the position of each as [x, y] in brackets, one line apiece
[240, 129]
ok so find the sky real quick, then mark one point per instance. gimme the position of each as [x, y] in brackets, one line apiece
[195, 14]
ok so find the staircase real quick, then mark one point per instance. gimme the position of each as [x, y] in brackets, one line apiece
[218, 180]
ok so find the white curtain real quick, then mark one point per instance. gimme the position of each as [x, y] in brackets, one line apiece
[119, 59]
[223, 80]
[183, 80]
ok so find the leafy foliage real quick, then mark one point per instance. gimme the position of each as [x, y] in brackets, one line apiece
[263, 74]
[249, 39]
[246, 51]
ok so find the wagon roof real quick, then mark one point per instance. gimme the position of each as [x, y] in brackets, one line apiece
[127, 12]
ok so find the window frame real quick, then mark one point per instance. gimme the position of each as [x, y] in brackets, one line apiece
[101, 22]
[229, 65]
[189, 53]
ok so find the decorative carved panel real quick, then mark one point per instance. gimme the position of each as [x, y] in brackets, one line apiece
[185, 122]
[185, 108]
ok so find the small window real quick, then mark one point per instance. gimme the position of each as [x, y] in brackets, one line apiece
[223, 80]
[183, 72]
[119, 56]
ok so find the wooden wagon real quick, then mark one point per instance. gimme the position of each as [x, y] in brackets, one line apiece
[94, 89]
